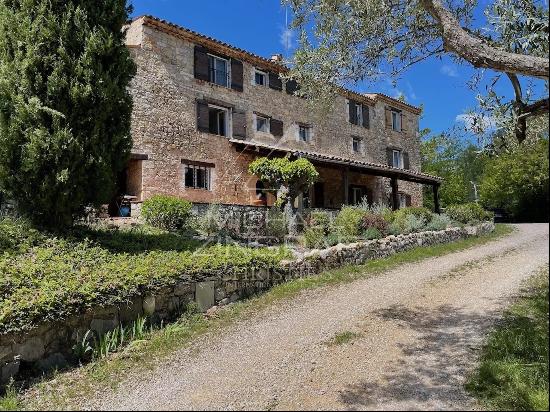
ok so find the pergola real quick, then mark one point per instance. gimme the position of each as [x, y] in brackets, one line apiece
[374, 169]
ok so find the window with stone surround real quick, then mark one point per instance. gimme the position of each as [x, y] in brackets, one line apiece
[219, 69]
[356, 144]
[262, 123]
[197, 175]
[304, 133]
[260, 78]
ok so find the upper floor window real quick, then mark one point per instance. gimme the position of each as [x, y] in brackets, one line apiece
[304, 133]
[218, 120]
[219, 70]
[260, 78]
[262, 124]
[197, 176]
[396, 121]
[358, 114]
[397, 159]
[356, 144]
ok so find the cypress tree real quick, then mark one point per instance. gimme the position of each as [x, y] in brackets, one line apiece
[65, 109]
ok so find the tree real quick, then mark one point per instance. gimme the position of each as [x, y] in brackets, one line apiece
[289, 178]
[64, 104]
[459, 164]
[354, 40]
[517, 181]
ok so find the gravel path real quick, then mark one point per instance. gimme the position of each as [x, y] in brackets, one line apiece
[419, 327]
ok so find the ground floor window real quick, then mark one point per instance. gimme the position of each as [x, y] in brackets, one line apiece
[404, 200]
[197, 176]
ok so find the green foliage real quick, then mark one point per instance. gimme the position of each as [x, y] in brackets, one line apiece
[314, 237]
[166, 212]
[320, 219]
[468, 213]
[518, 182]
[372, 233]
[294, 175]
[83, 350]
[374, 221]
[59, 277]
[458, 164]
[403, 223]
[513, 374]
[65, 106]
[277, 225]
[439, 222]
[348, 221]
[210, 223]
[10, 400]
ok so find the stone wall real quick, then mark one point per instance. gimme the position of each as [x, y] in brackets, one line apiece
[49, 345]
[164, 125]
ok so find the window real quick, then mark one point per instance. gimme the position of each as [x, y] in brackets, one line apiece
[218, 120]
[219, 70]
[359, 113]
[260, 78]
[396, 121]
[197, 176]
[397, 159]
[356, 195]
[402, 200]
[304, 133]
[262, 124]
[356, 144]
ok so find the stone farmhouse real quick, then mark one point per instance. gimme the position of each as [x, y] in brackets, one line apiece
[203, 110]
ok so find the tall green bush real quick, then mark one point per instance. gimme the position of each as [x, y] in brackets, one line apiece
[65, 107]
[348, 221]
[468, 213]
[166, 212]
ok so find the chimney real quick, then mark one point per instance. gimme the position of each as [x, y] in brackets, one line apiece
[277, 58]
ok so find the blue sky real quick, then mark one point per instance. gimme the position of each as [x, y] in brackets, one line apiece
[260, 27]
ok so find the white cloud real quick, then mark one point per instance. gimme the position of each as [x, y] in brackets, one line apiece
[448, 71]
[287, 38]
[475, 123]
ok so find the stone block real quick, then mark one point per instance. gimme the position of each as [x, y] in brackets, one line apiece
[8, 370]
[30, 350]
[54, 361]
[102, 326]
[130, 311]
[149, 303]
[204, 295]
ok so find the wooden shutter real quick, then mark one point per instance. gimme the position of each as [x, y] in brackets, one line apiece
[406, 164]
[276, 127]
[389, 154]
[352, 112]
[366, 116]
[275, 81]
[201, 63]
[237, 74]
[291, 86]
[408, 200]
[388, 118]
[404, 120]
[239, 124]
[203, 121]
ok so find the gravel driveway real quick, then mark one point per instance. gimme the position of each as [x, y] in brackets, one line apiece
[419, 328]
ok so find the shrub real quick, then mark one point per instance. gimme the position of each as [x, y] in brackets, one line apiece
[166, 212]
[439, 222]
[372, 233]
[276, 225]
[468, 213]
[320, 219]
[399, 217]
[372, 221]
[210, 223]
[348, 221]
[335, 237]
[314, 237]
[413, 224]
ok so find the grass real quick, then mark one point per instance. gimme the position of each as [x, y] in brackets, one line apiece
[66, 390]
[344, 338]
[513, 371]
[10, 400]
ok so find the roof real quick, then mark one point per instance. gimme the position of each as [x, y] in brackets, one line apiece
[262, 62]
[375, 168]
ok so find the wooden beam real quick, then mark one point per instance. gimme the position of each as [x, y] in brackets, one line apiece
[437, 208]
[345, 182]
[394, 194]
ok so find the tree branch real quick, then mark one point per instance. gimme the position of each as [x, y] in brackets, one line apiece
[480, 54]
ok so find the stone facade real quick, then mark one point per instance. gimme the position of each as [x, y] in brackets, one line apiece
[165, 127]
[50, 345]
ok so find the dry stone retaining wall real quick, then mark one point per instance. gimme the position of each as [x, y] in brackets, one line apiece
[50, 345]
